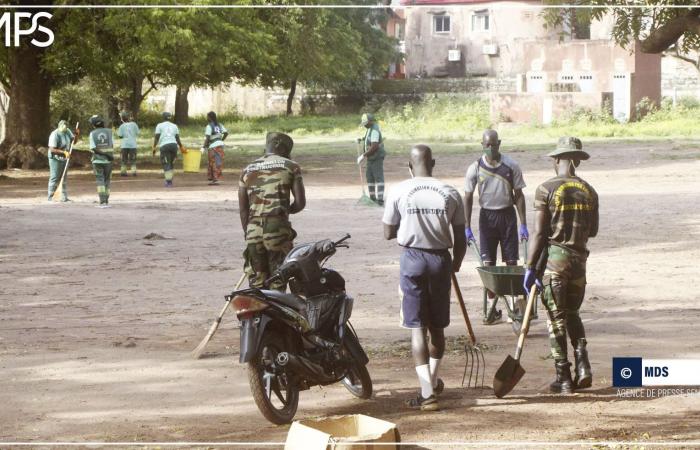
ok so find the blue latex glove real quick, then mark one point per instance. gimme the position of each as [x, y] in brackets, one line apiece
[530, 279]
[469, 235]
[524, 235]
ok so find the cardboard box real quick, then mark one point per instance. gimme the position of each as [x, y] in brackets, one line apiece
[353, 432]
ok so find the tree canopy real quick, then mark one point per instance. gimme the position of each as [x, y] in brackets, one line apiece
[658, 28]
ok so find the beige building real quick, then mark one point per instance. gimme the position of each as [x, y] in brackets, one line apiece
[555, 70]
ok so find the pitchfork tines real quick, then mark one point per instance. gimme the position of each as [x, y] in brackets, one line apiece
[473, 352]
[474, 357]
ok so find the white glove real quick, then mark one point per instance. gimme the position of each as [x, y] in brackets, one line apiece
[202, 150]
[360, 158]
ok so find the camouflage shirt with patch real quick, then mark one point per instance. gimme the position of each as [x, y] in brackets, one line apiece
[572, 208]
[268, 182]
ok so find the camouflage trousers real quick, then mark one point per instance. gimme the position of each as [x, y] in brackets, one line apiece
[564, 287]
[268, 240]
[103, 177]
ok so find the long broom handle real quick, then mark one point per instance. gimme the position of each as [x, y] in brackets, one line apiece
[526, 322]
[359, 166]
[458, 292]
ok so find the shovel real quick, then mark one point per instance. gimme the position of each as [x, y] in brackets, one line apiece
[510, 372]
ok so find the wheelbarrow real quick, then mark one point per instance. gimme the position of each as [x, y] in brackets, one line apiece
[506, 283]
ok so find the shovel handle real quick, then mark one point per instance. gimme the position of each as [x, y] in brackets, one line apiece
[526, 322]
[458, 292]
[474, 246]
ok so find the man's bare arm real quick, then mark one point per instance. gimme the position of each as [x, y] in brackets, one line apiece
[372, 149]
[519, 198]
[390, 231]
[460, 247]
[468, 205]
[538, 240]
[299, 193]
[243, 206]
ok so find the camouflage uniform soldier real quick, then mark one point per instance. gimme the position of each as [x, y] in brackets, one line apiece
[566, 216]
[264, 198]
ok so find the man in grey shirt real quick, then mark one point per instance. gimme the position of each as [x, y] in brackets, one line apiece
[500, 183]
[420, 213]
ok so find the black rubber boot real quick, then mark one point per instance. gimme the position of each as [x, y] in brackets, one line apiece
[583, 378]
[563, 383]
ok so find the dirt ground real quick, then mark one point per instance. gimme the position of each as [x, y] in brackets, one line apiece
[96, 322]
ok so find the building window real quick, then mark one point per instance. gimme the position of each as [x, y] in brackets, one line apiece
[441, 24]
[399, 31]
[480, 21]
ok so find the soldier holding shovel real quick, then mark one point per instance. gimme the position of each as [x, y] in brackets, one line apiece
[566, 216]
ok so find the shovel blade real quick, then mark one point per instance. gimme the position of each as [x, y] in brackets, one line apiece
[507, 376]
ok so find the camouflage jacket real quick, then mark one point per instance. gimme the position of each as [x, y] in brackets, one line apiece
[572, 208]
[268, 182]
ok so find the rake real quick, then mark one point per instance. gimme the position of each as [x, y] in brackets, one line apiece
[473, 352]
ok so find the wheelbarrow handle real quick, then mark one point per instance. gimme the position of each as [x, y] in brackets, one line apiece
[458, 292]
[525, 327]
[474, 246]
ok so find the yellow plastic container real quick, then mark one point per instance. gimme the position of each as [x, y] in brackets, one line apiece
[191, 161]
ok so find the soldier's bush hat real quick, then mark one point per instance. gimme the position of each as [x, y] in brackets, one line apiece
[366, 118]
[569, 147]
[279, 139]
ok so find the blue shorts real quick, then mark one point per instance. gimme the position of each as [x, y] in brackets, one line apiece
[498, 226]
[425, 281]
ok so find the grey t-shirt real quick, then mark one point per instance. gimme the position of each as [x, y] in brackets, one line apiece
[496, 183]
[425, 209]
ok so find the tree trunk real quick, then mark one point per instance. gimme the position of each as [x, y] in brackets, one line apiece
[290, 97]
[136, 97]
[182, 106]
[112, 108]
[27, 127]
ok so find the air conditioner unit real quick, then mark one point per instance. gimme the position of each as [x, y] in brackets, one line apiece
[490, 49]
[454, 55]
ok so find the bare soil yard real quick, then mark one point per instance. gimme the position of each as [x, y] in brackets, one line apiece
[96, 322]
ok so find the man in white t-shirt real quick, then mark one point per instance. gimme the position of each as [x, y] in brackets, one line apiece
[500, 184]
[424, 214]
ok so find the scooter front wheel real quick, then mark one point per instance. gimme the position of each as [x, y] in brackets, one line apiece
[275, 395]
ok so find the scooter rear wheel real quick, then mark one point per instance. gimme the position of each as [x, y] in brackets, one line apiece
[276, 397]
[358, 381]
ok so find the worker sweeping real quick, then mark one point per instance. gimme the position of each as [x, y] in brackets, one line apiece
[102, 148]
[59, 144]
[264, 197]
[566, 216]
[374, 154]
[422, 213]
[500, 184]
[167, 140]
[128, 132]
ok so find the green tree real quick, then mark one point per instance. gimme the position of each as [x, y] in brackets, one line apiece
[658, 29]
[327, 48]
[27, 74]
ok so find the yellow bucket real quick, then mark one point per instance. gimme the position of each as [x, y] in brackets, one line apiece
[191, 161]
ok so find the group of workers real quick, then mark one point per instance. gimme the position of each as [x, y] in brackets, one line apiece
[428, 217]
[166, 140]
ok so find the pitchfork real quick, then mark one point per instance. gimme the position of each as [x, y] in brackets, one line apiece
[472, 351]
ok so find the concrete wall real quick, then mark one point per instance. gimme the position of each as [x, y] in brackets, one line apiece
[679, 78]
[540, 108]
[247, 100]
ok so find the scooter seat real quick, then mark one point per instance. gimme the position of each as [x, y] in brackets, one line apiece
[286, 299]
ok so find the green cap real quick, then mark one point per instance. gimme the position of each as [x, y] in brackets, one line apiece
[366, 118]
[569, 148]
